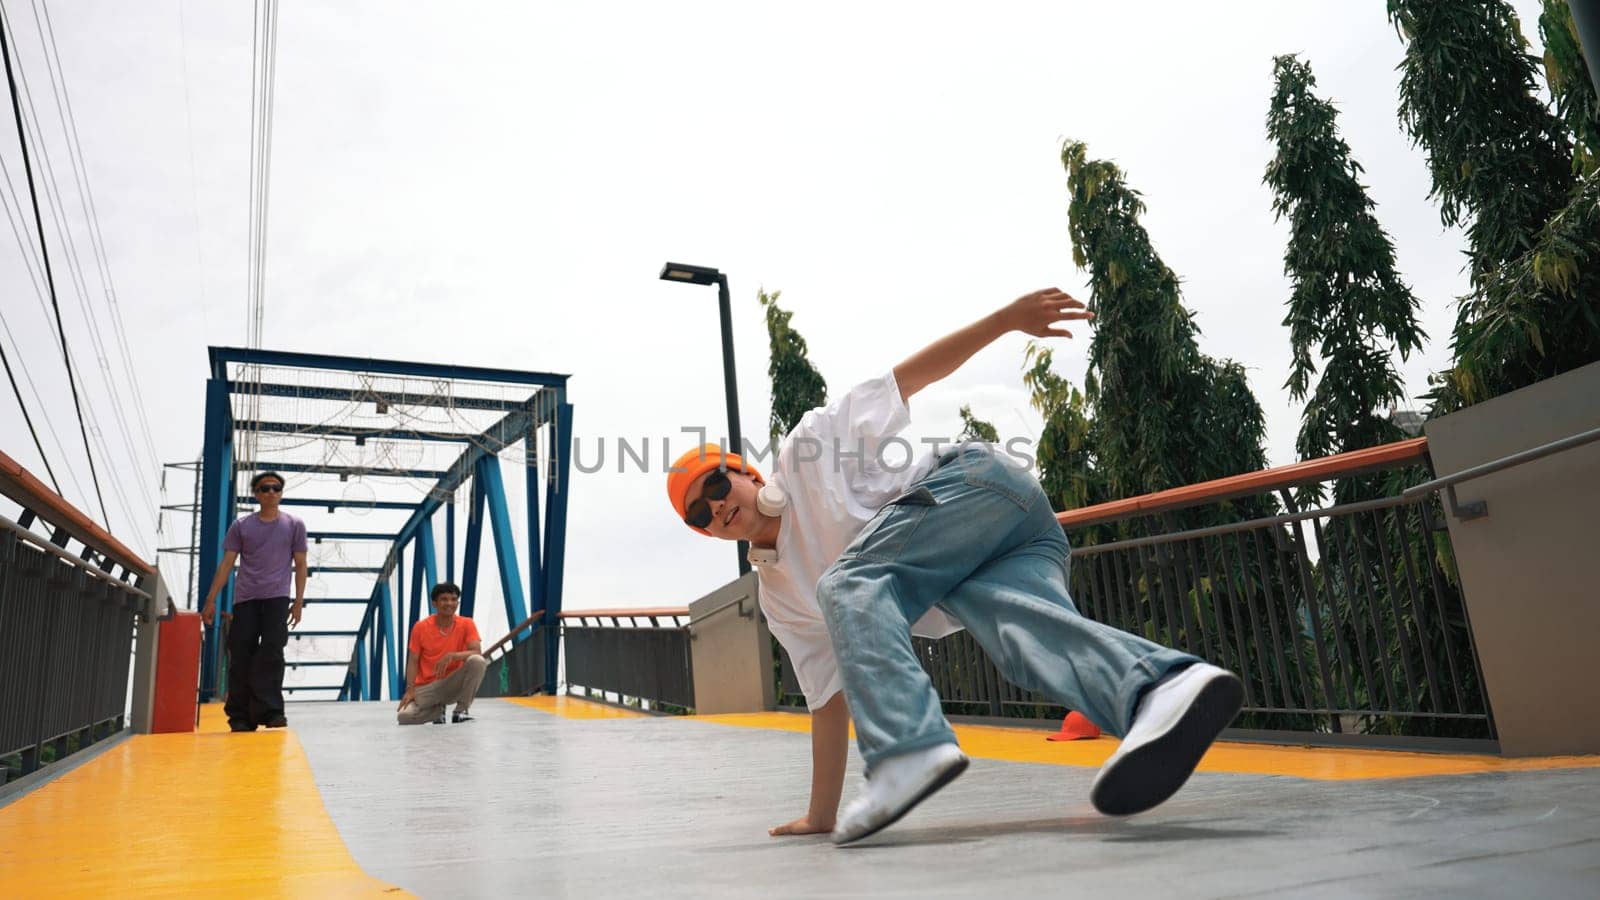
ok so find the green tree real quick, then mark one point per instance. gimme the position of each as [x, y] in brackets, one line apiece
[797, 386]
[1538, 316]
[1568, 77]
[1167, 414]
[1065, 452]
[976, 429]
[1503, 164]
[1500, 160]
[1348, 304]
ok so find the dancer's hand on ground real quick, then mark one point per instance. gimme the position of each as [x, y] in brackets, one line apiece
[802, 825]
[1040, 312]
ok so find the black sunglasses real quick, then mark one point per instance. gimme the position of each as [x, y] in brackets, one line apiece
[698, 513]
[269, 488]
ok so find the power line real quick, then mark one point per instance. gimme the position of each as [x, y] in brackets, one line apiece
[27, 418]
[44, 408]
[194, 178]
[25, 246]
[263, 80]
[84, 401]
[38, 220]
[86, 196]
[79, 282]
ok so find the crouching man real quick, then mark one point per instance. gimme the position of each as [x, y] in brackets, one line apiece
[445, 663]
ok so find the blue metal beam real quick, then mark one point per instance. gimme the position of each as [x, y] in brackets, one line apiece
[502, 434]
[331, 503]
[469, 566]
[359, 654]
[375, 667]
[533, 485]
[223, 355]
[350, 536]
[425, 576]
[400, 589]
[393, 398]
[430, 566]
[414, 608]
[450, 542]
[262, 465]
[350, 431]
[387, 615]
[505, 547]
[555, 534]
[216, 514]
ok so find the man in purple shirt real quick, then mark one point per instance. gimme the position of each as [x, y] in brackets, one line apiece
[267, 545]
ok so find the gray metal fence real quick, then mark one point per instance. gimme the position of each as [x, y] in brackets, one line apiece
[1342, 620]
[631, 653]
[517, 661]
[66, 638]
[1338, 620]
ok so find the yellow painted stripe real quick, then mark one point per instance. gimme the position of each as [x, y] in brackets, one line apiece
[1321, 763]
[573, 707]
[211, 814]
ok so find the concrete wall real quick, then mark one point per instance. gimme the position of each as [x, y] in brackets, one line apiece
[142, 691]
[732, 650]
[1530, 569]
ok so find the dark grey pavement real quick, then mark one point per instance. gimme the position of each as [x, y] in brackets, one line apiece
[524, 803]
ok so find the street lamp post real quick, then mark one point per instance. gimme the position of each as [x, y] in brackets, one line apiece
[702, 275]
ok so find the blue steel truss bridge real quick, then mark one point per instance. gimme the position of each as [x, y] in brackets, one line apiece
[400, 470]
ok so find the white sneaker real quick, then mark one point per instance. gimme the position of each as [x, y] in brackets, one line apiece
[898, 784]
[1176, 721]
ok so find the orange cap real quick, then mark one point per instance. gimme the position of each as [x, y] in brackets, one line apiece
[1075, 727]
[695, 463]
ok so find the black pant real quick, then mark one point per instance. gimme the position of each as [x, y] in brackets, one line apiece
[256, 637]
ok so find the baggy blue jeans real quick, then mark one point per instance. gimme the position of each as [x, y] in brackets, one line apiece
[976, 536]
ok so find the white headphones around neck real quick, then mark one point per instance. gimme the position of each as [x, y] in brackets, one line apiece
[770, 501]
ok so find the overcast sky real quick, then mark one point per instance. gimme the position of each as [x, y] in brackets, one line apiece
[499, 183]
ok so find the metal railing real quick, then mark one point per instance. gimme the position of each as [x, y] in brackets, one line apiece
[516, 667]
[1336, 619]
[631, 653]
[68, 623]
[1339, 620]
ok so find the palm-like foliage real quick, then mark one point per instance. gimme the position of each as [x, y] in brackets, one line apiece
[976, 429]
[1567, 74]
[1503, 164]
[1500, 160]
[1065, 452]
[1349, 306]
[797, 386]
[1167, 414]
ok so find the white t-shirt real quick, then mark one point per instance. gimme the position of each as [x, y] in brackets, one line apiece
[832, 494]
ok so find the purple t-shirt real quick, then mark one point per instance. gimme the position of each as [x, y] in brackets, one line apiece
[266, 555]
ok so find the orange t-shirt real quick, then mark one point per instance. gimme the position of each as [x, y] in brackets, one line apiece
[430, 644]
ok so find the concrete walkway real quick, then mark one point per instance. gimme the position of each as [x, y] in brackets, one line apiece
[531, 803]
[548, 797]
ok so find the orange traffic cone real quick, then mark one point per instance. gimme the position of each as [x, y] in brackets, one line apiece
[1075, 727]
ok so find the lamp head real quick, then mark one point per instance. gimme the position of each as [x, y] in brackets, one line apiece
[689, 274]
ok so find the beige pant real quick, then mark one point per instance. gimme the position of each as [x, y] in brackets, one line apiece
[458, 688]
